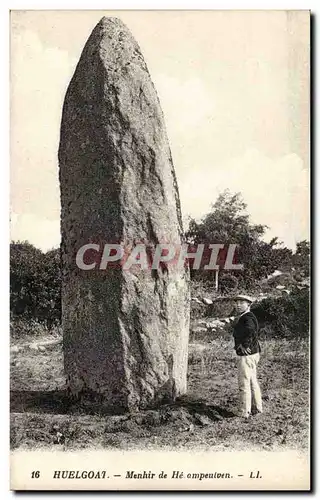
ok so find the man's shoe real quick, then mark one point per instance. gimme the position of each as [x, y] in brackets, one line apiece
[256, 413]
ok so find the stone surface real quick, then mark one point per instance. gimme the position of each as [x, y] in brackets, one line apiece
[125, 332]
[33, 346]
[202, 419]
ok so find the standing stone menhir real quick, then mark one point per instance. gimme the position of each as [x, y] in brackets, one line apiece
[125, 332]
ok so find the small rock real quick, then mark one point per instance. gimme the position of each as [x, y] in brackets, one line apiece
[152, 419]
[199, 329]
[201, 322]
[59, 438]
[41, 348]
[15, 348]
[202, 419]
[34, 347]
[206, 301]
[189, 428]
[195, 299]
[274, 274]
[211, 326]
[178, 416]
[138, 418]
[215, 415]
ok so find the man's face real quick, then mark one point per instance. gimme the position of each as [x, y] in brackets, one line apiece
[241, 306]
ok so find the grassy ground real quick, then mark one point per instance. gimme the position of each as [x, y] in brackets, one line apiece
[205, 418]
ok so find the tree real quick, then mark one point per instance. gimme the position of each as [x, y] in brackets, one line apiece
[270, 256]
[35, 283]
[302, 257]
[228, 223]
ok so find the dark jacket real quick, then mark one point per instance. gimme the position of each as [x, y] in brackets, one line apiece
[245, 334]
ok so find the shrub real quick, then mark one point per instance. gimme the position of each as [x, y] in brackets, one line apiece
[35, 283]
[21, 327]
[288, 315]
[220, 309]
[228, 283]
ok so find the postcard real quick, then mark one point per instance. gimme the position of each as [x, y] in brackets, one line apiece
[159, 250]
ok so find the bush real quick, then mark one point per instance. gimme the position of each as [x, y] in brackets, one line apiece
[228, 283]
[288, 315]
[22, 327]
[221, 309]
[35, 284]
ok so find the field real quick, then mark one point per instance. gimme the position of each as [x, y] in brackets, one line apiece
[43, 417]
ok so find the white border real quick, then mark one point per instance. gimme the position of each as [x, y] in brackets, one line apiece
[162, 4]
[4, 184]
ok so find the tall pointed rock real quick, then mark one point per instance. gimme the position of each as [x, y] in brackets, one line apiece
[125, 331]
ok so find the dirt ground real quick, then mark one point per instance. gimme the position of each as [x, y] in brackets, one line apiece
[43, 417]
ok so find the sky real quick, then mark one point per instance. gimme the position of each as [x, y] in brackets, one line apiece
[234, 89]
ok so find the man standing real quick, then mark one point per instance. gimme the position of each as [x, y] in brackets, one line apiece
[248, 354]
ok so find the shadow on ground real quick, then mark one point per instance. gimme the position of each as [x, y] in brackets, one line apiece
[39, 402]
[60, 402]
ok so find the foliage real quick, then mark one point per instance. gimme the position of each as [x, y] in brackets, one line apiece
[288, 316]
[302, 257]
[35, 283]
[21, 327]
[35, 277]
[228, 223]
[228, 283]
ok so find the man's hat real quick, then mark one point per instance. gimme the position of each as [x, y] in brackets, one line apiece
[244, 297]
